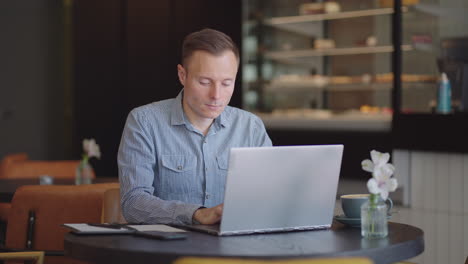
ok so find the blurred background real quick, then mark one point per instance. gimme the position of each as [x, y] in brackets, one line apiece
[71, 70]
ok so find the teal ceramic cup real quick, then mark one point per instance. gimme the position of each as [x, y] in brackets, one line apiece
[351, 204]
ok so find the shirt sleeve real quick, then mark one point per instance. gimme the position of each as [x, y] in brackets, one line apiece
[261, 138]
[137, 164]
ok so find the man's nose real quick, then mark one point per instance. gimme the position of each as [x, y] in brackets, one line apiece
[215, 91]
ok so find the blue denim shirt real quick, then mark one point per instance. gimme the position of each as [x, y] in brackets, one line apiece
[168, 169]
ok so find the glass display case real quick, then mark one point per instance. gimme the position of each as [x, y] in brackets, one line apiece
[319, 65]
[438, 34]
[433, 115]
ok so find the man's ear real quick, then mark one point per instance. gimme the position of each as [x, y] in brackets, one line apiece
[181, 73]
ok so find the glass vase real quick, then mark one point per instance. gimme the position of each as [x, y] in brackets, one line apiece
[84, 173]
[374, 218]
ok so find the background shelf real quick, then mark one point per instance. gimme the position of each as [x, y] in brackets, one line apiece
[301, 56]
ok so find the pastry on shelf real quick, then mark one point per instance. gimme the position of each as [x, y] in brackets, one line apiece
[410, 78]
[324, 44]
[389, 3]
[311, 8]
[332, 7]
[315, 80]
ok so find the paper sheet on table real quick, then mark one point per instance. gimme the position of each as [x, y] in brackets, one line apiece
[160, 228]
[82, 228]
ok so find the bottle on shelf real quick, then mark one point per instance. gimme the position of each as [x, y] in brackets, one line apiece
[444, 96]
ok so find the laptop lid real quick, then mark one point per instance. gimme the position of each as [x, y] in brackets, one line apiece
[272, 189]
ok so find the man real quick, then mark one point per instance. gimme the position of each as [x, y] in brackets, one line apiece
[173, 154]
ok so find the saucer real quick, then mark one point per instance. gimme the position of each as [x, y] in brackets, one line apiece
[352, 222]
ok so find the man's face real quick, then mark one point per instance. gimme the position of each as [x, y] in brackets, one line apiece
[208, 82]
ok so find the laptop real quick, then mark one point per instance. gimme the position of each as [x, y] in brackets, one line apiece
[278, 189]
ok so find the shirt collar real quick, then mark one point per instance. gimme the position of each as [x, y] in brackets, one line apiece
[177, 111]
[178, 116]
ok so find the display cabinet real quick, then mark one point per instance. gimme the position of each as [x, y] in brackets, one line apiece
[431, 117]
[438, 34]
[358, 66]
[320, 65]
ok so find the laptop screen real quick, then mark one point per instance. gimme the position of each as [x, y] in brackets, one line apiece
[281, 188]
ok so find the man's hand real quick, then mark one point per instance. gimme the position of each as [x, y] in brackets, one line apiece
[209, 216]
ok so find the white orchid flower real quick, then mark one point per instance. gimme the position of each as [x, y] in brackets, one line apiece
[91, 149]
[381, 182]
[378, 159]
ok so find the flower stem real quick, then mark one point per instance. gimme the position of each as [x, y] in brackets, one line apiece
[373, 200]
[85, 159]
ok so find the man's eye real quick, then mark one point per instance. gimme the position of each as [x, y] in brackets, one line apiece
[204, 82]
[227, 83]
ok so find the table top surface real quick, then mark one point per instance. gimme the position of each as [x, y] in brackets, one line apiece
[403, 242]
[9, 186]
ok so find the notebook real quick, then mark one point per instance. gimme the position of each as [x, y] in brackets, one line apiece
[277, 189]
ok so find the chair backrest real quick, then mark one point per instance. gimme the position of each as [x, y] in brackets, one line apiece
[8, 159]
[338, 260]
[111, 209]
[36, 168]
[15, 157]
[53, 206]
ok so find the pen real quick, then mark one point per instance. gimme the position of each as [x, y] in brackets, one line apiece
[113, 226]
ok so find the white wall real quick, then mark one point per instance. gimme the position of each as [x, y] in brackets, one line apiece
[436, 202]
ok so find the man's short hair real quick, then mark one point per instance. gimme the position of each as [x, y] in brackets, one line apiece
[212, 41]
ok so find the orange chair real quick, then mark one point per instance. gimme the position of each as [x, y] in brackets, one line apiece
[19, 166]
[52, 206]
[35, 168]
[6, 161]
[10, 158]
[111, 209]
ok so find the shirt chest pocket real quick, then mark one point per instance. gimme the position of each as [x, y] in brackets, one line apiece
[177, 176]
[222, 162]
[178, 163]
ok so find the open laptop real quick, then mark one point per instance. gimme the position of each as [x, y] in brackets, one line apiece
[275, 189]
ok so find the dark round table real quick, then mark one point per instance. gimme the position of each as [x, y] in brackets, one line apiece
[403, 242]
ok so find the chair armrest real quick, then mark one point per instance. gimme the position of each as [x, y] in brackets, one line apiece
[46, 252]
[37, 256]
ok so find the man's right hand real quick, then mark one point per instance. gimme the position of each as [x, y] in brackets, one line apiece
[209, 216]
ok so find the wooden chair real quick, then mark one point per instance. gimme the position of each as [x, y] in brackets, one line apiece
[37, 213]
[4, 164]
[111, 209]
[36, 256]
[16, 166]
[340, 260]
[35, 168]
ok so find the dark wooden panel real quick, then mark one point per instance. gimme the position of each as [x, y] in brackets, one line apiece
[431, 132]
[151, 71]
[125, 55]
[98, 80]
[357, 146]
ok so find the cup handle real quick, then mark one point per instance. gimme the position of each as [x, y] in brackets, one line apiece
[390, 206]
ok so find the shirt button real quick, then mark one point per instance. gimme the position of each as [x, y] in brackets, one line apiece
[206, 169]
[204, 141]
[207, 196]
[179, 167]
